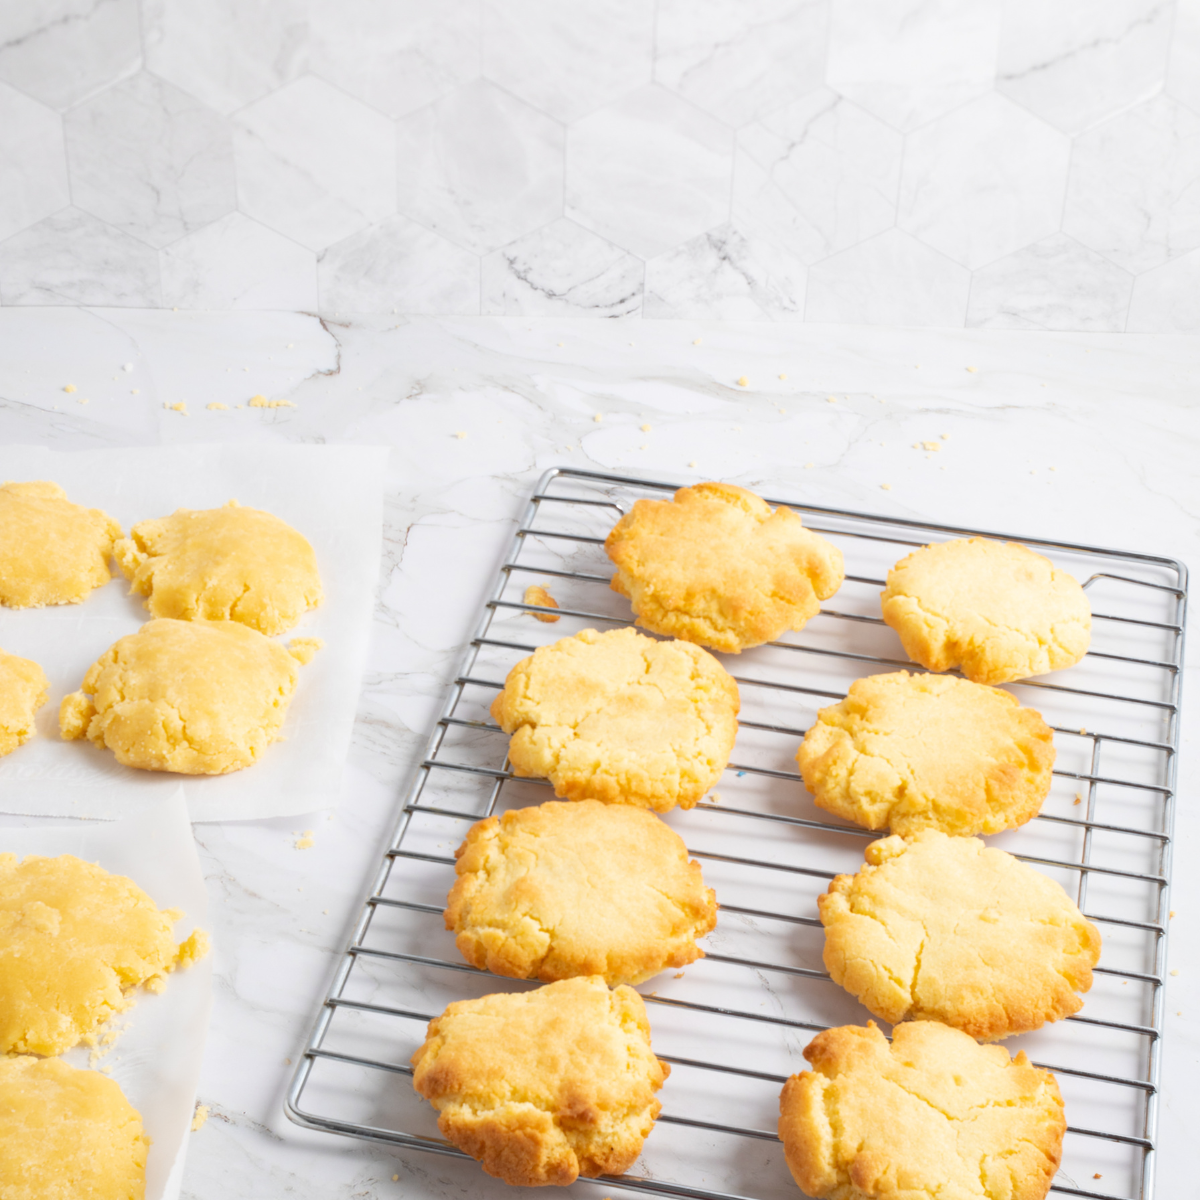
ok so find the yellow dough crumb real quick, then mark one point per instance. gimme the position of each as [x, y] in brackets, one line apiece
[306, 841]
[217, 406]
[743, 381]
[304, 649]
[23, 689]
[200, 1116]
[70, 388]
[75, 942]
[261, 401]
[534, 594]
[194, 697]
[230, 563]
[51, 551]
[67, 1134]
[180, 406]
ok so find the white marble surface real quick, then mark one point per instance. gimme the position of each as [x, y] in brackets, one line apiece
[978, 163]
[1114, 415]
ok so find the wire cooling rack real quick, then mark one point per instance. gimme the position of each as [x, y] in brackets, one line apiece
[734, 1024]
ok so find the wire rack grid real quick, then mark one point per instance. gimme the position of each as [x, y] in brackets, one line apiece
[734, 1025]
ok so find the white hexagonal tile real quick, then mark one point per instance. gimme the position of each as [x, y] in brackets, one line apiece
[150, 159]
[568, 59]
[1132, 194]
[33, 162]
[1053, 284]
[649, 172]
[561, 270]
[724, 275]
[314, 163]
[226, 52]
[1183, 68]
[1167, 299]
[816, 176]
[396, 55]
[480, 167]
[983, 181]
[890, 280]
[59, 51]
[1076, 62]
[908, 61]
[237, 263]
[74, 258]
[738, 59]
[398, 266]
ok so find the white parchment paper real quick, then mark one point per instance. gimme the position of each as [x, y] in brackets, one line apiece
[156, 1060]
[331, 494]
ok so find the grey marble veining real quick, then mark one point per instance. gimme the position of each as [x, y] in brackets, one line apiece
[999, 163]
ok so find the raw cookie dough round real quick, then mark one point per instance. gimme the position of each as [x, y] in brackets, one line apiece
[67, 1134]
[51, 551]
[994, 609]
[910, 752]
[932, 1114]
[716, 566]
[196, 697]
[23, 687]
[222, 564]
[74, 943]
[944, 929]
[620, 717]
[544, 1086]
[560, 890]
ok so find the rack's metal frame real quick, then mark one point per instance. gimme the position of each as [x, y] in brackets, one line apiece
[395, 851]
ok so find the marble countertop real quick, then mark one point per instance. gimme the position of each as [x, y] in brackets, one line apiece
[977, 163]
[1081, 437]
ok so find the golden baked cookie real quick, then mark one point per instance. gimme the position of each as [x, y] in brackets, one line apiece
[75, 942]
[51, 551]
[716, 566]
[945, 929]
[196, 697]
[559, 890]
[932, 1114]
[23, 687]
[67, 1134]
[544, 1086]
[994, 609]
[222, 564]
[620, 717]
[910, 752]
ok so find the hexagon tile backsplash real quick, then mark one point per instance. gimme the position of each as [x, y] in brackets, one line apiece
[1004, 163]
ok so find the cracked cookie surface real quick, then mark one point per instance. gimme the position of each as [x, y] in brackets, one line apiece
[67, 1134]
[620, 717]
[194, 697]
[996, 610]
[945, 929]
[222, 564]
[75, 942]
[715, 565]
[544, 1086]
[23, 687]
[907, 752]
[931, 1114]
[51, 551]
[584, 888]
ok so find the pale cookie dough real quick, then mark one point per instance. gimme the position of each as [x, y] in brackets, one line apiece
[23, 687]
[51, 551]
[944, 929]
[75, 942]
[994, 609]
[620, 717]
[67, 1134]
[932, 1114]
[909, 752]
[560, 890]
[544, 1086]
[717, 566]
[222, 564]
[195, 697]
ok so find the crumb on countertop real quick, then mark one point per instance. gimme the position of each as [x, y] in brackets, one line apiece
[217, 406]
[932, 445]
[536, 594]
[697, 341]
[743, 381]
[70, 388]
[82, 400]
[200, 1116]
[973, 370]
[887, 487]
[305, 841]
[304, 649]
[1078, 797]
[260, 401]
[831, 400]
[809, 466]
[180, 406]
[646, 428]
[783, 376]
[1175, 971]
[692, 464]
[598, 417]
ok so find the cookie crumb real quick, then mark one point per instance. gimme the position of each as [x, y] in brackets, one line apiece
[932, 445]
[1175, 971]
[1078, 798]
[975, 371]
[1097, 1175]
[70, 388]
[535, 594]
[395, 1177]
[1082, 732]
[260, 401]
[135, 391]
[743, 381]
[217, 406]
[692, 464]
[82, 400]
[306, 841]
[945, 437]
[715, 797]
[180, 406]
[831, 399]
[1171, 915]
[678, 974]
[304, 649]
[809, 466]
[643, 447]
[782, 376]
[598, 417]
[560, 343]
[645, 428]
[887, 487]
[199, 1116]
[697, 341]
[460, 434]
